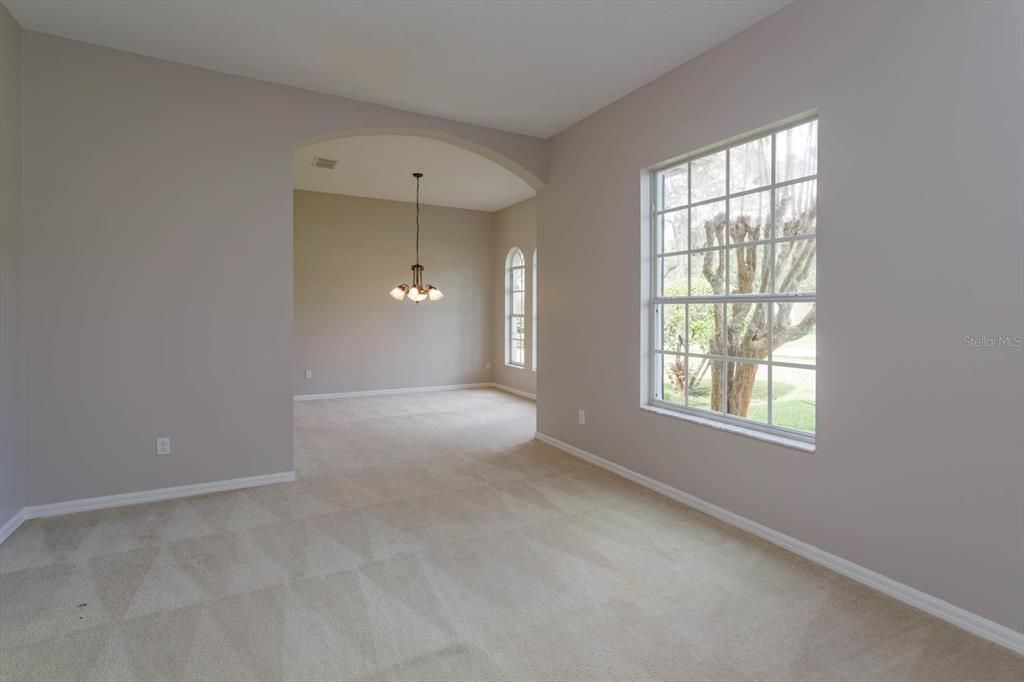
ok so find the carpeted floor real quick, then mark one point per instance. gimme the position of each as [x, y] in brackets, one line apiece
[429, 537]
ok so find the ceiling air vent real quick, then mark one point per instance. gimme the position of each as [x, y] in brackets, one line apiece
[320, 162]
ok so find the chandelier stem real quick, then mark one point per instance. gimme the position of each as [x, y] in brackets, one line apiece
[418, 176]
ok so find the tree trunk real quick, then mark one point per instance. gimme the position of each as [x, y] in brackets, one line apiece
[741, 386]
[716, 386]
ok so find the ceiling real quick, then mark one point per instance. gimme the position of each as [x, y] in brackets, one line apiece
[381, 167]
[522, 66]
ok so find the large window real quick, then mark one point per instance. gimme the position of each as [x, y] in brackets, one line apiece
[733, 235]
[515, 308]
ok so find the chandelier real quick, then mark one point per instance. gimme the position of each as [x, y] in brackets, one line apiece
[417, 291]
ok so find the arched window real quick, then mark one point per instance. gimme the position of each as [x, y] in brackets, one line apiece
[515, 308]
[533, 311]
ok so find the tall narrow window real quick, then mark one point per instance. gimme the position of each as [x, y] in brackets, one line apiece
[733, 303]
[515, 308]
[533, 312]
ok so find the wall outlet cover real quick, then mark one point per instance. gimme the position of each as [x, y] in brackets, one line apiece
[163, 446]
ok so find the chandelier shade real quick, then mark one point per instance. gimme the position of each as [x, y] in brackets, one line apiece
[417, 291]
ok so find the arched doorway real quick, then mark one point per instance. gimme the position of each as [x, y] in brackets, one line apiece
[354, 241]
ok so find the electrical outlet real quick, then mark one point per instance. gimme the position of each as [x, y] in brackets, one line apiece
[309, 374]
[487, 365]
[163, 446]
[582, 418]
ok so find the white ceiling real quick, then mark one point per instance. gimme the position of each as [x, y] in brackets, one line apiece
[381, 167]
[522, 66]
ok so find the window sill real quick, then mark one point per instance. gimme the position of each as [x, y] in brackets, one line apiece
[774, 439]
[511, 366]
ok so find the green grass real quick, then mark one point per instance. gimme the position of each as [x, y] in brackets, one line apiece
[794, 405]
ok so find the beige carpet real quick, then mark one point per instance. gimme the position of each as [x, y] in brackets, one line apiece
[430, 538]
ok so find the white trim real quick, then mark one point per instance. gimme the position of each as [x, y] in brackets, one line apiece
[389, 391]
[721, 425]
[125, 499]
[515, 391]
[971, 622]
[417, 389]
[12, 525]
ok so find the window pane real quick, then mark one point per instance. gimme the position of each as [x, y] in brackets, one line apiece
[795, 266]
[796, 209]
[673, 327]
[518, 303]
[707, 225]
[748, 269]
[707, 273]
[673, 381]
[705, 328]
[796, 152]
[519, 328]
[673, 275]
[517, 259]
[673, 188]
[748, 390]
[794, 330]
[518, 279]
[750, 165]
[793, 398]
[708, 179]
[673, 231]
[749, 217]
[747, 330]
[517, 353]
[705, 382]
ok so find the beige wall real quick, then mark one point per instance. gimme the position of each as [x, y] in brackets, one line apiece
[349, 252]
[158, 264]
[919, 463]
[12, 378]
[515, 225]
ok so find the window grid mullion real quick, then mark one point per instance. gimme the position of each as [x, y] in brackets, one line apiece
[723, 358]
[689, 226]
[726, 287]
[759, 242]
[798, 297]
[686, 377]
[654, 388]
[734, 195]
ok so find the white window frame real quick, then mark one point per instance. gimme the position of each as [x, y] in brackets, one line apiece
[653, 328]
[533, 312]
[510, 314]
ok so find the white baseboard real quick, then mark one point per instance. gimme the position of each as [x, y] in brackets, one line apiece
[416, 389]
[971, 622]
[12, 525]
[124, 499]
[514, 391]
[389, 391]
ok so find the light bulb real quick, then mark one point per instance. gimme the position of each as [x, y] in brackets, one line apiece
[398, 293]
[417, 294]
[434, 293]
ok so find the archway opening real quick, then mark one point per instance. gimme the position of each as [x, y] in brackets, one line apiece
[354, 223]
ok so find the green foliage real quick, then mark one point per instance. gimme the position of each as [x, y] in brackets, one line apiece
[702, 321]
[793, 408]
